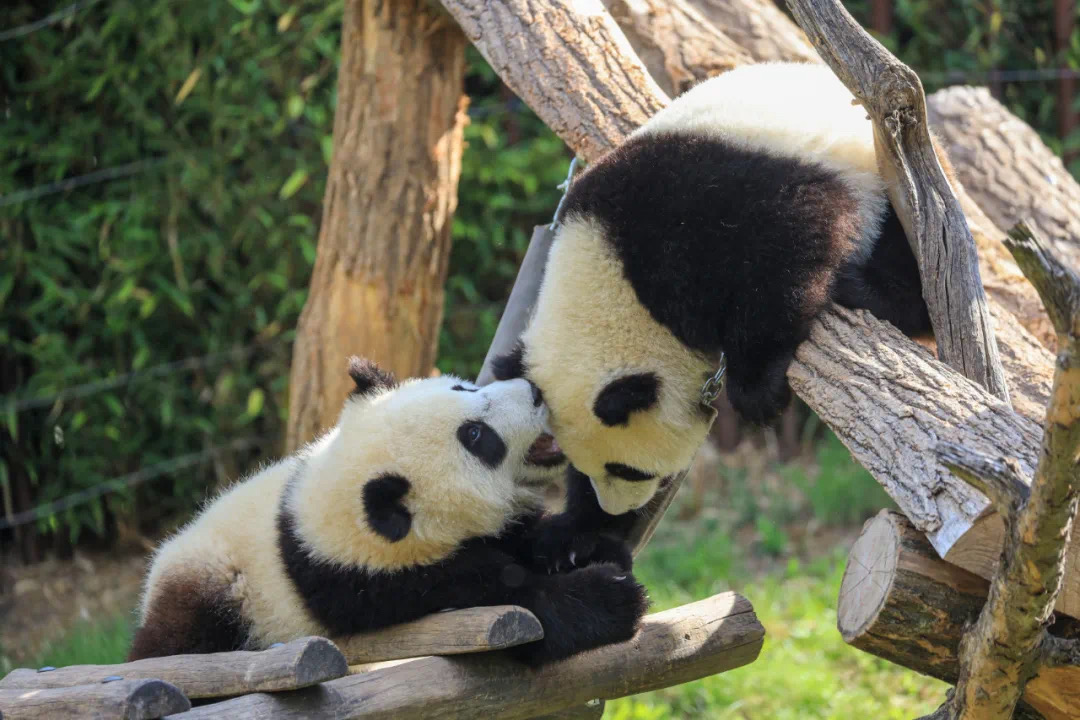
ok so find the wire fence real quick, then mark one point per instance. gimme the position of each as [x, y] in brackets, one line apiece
[166, 467]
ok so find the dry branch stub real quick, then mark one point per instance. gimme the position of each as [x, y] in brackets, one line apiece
[296, 664]
[119, 699]
[901, 602]
[892, 95]
[672, 647]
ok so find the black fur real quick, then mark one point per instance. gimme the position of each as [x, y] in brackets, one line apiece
[189, 615]
[626, 472]
[369, 377]
[888, 284]
[579, 609]
[462, 388]
[625, 395]
[511, 365]
[385, 513]
[734, 250]
[481, 440]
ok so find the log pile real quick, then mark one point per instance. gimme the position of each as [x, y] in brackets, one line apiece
[446, 665]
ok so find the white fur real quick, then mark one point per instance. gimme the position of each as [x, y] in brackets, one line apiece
[791, 110]
[411, 431]
[589, 327]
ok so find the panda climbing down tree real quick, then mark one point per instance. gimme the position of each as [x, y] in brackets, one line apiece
[720, 229]
[419, 500]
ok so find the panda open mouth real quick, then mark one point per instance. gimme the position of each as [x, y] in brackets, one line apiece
[545, 452]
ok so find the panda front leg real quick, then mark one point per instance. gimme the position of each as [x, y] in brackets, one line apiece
[581, 535]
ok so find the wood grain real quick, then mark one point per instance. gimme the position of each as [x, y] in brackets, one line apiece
[672, 647]
[121, 699]
[901, 602]
[296, 664]
[384, 243]
[449, 633]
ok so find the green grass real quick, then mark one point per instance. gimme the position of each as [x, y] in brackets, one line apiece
[91, 643]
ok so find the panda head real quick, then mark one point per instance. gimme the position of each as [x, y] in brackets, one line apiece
[414, 469]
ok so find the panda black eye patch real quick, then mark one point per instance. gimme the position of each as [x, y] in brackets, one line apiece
[626, 472]
[478, 438]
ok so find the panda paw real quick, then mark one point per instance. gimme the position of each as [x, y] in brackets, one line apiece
[582, 610]
[558, 548]
[759, 403]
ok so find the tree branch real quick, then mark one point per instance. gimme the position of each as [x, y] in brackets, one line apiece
[1007, 644]
[892, 95]
[1000, 479]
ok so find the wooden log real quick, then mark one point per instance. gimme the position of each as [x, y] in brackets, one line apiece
[449, 633]
[1005, 166]
[935, 225]
[120, 699]
[760, 27]
[296, 664]
[593, 710]
[901, 602]
[679, 47]
[675, 646]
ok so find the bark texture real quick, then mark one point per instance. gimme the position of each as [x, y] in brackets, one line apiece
[893, 97]
[759, 27]
[1004, 649]
[901, 602]
[1007, 168]
[377, 286]
[679, 47]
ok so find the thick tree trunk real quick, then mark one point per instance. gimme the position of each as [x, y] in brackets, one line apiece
[760, 28]
[377, 287]
[1007, 168]
[901, 602]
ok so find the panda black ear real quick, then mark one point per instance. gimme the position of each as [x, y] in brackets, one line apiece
[511, 365]
[386, 515]
[369, 377]
[628, 394]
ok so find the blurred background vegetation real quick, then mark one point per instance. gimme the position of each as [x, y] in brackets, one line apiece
[147, 309]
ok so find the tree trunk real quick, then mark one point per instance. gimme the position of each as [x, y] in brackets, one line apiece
[1007, 168]
[377, 286]
[759, 27]
[901, 602]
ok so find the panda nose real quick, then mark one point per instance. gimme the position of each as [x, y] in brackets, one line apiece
[537, 396]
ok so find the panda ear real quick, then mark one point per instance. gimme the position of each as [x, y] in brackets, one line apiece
[369, 377]
[511, 365]
[625, 395]
[385, 513]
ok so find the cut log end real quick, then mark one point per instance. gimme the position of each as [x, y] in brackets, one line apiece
[319, 661]
[868, 577]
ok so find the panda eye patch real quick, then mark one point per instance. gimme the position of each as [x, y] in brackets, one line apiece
[483, 442]
[626, 472]
[462, 388]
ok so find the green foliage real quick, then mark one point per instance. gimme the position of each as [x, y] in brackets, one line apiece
[841, 492]
[972, 39]
[206, 246]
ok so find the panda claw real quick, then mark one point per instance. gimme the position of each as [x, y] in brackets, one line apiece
[573, 555]
[619, 578]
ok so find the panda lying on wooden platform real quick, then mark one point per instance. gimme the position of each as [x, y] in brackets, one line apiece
[726, 224]
[417, 501]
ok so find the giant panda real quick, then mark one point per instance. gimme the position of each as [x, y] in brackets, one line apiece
[725, 224]
[416, 501]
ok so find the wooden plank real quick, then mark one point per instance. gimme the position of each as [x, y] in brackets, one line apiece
[901, 602]
[121, 699]
[690, 642]
[296, 664]
[593, 710]
[454, 632]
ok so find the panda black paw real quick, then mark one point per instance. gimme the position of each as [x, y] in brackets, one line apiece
[582, 610]
[559, 547]
[760, 402]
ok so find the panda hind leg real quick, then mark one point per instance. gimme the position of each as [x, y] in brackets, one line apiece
[188, 615]
[888, 283]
